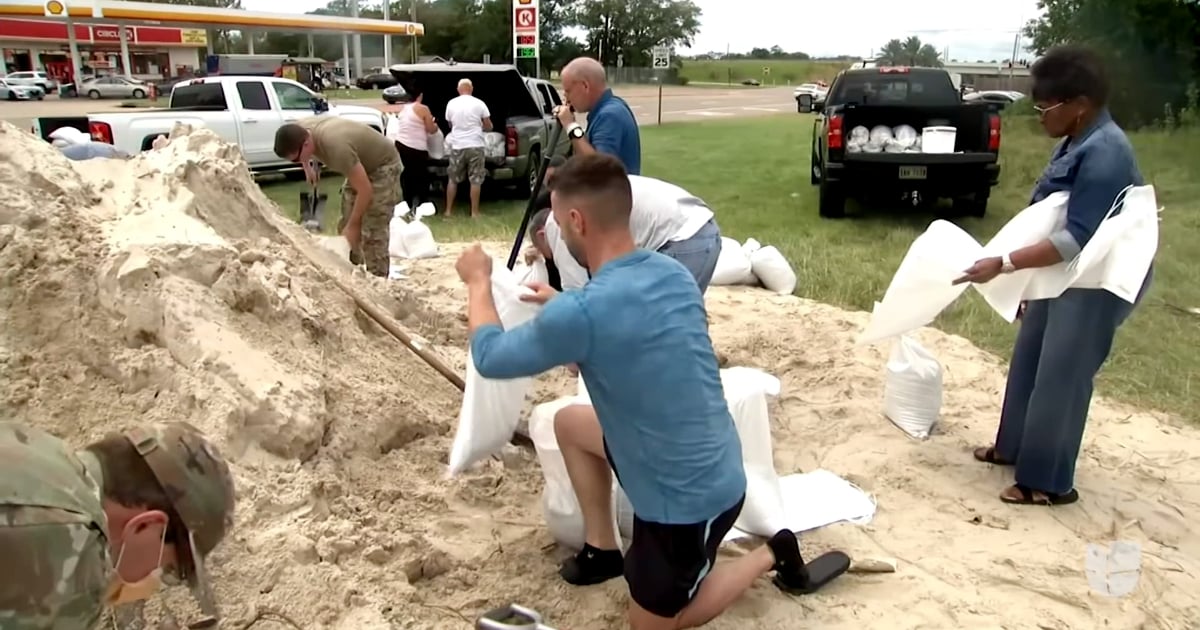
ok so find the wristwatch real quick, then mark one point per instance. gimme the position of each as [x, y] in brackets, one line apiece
[1006, 264]
[575, 131]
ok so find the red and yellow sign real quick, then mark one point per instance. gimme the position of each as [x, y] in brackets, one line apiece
[55, 8]
[100, 34]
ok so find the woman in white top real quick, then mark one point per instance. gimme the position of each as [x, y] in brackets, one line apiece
[414, 124]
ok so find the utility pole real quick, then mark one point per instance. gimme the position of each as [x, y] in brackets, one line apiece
[412, 16]
[387, 39]
[358, 72]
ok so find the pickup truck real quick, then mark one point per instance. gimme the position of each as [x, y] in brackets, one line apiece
[522, 109]
[893, 96]
[243, 110]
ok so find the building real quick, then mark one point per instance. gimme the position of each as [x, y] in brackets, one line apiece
[155, 52]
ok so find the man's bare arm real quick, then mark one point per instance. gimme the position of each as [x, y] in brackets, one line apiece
[363, 192]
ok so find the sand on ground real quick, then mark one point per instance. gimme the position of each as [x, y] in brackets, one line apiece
[168, 287]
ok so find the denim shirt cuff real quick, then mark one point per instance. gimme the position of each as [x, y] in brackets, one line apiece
[1063, 241]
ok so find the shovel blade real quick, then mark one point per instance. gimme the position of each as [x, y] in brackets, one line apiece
[312, 210]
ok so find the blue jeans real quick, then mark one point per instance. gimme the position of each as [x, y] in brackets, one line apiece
[1060, 348]
[698, 253]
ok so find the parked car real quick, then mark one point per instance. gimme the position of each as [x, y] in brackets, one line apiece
[394, 94]
[36, 78]
[375, 81]
[246, 111]
[12, 92]
[751, 82]
[113, 87]
[522, 110]
[808, 93]
[918, 97]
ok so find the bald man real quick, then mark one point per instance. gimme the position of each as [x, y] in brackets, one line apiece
[660, 422]
[469, 118]
[611, 125]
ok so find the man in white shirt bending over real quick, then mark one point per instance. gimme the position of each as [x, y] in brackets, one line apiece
[665, 218]
[469, 118]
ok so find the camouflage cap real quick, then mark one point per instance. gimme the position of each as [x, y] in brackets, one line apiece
[197, 481]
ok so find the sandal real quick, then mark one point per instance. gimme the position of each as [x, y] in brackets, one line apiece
[1048, 498]
[988, 456]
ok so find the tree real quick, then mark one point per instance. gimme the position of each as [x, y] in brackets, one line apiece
[632, 28]
[1151, 47]
[910, 52]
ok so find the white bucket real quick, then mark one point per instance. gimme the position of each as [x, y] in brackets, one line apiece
[938, 139]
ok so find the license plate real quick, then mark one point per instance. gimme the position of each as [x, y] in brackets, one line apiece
[912, 172]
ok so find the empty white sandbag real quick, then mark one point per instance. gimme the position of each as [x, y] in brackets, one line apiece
[912, 391]
[491, 408]
[733, 265]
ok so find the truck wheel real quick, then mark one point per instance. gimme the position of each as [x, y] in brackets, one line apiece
[832, 201]
[812, 171]
[535, 160]
[972, 205]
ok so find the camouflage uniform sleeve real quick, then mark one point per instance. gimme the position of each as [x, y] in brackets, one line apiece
[55, 573]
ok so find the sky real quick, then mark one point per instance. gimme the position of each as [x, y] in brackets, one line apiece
[971, 29]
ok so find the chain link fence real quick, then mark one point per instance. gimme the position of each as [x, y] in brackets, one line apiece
[643, 76]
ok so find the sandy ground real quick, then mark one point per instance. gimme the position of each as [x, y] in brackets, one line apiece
[168, 288]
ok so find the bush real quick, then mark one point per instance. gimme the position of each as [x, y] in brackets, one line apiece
[682, 80]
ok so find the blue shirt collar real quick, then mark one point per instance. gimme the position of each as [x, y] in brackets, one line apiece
[604, 98]
[1103, 117]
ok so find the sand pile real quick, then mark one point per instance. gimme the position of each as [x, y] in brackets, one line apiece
[167, 288]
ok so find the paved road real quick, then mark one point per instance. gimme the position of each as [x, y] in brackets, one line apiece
[679, 104]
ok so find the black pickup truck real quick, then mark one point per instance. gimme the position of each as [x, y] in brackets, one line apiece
[918, 97]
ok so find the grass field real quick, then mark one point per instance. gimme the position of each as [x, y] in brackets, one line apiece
[753, 173]
[782, 71]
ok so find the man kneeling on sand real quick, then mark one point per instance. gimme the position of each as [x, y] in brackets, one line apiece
[638, 332]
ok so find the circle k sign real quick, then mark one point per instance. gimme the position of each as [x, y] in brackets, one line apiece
[525, 17]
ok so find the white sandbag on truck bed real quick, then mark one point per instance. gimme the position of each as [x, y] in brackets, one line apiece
[491, 408]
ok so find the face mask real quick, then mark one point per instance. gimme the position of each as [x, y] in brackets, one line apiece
[122, 592]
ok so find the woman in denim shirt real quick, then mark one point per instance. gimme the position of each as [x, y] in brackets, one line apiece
[1062, 341]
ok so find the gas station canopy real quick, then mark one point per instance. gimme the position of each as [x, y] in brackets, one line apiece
[204, 17]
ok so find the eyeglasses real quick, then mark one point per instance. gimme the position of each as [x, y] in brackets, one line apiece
[1042, 110]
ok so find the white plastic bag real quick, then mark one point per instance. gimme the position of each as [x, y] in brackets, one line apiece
[912, 391]
[746, 392]
[921, 288]
[437, 145]
[396, 249]
[769, 265]
[418, 239]
[493, 145]
[491, 408]
[733, 265]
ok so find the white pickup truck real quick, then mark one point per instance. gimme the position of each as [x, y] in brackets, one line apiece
[243, 110]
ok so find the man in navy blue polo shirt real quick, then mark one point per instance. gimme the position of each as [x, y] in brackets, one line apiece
[611, 125]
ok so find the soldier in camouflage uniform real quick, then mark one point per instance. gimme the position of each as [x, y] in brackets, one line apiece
[84, 531]
[372, 168]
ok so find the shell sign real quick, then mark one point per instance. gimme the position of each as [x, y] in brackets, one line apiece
[55, 8]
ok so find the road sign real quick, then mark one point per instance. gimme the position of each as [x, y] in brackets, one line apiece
[525, 18]
[662, 58]
[766, 70]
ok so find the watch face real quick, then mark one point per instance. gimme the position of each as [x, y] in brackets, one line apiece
[576, 133]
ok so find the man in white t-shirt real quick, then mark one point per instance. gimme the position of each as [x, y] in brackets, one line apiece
[469, 118]
[665, 218]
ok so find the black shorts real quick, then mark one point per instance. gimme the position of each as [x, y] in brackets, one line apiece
[665, 564]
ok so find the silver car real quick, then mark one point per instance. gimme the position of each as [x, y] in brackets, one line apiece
[113, 87]
[36, 78]
[11, 92]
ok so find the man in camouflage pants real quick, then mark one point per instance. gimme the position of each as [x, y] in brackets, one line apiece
[84, 531]
[372, 168]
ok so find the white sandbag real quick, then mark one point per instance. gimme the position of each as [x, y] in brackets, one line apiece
[746, 392]
[70, 136]
[733, 265]
[528, 274]
[491, 408]
[912, 391]
[773, 270]
[396, 250]
[921, 288]
[437, 145]
[493, 145]
[418, 238]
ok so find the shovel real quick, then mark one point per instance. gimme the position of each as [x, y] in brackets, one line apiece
[312, 209]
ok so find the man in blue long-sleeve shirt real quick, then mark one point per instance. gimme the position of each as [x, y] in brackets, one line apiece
[638, 333]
